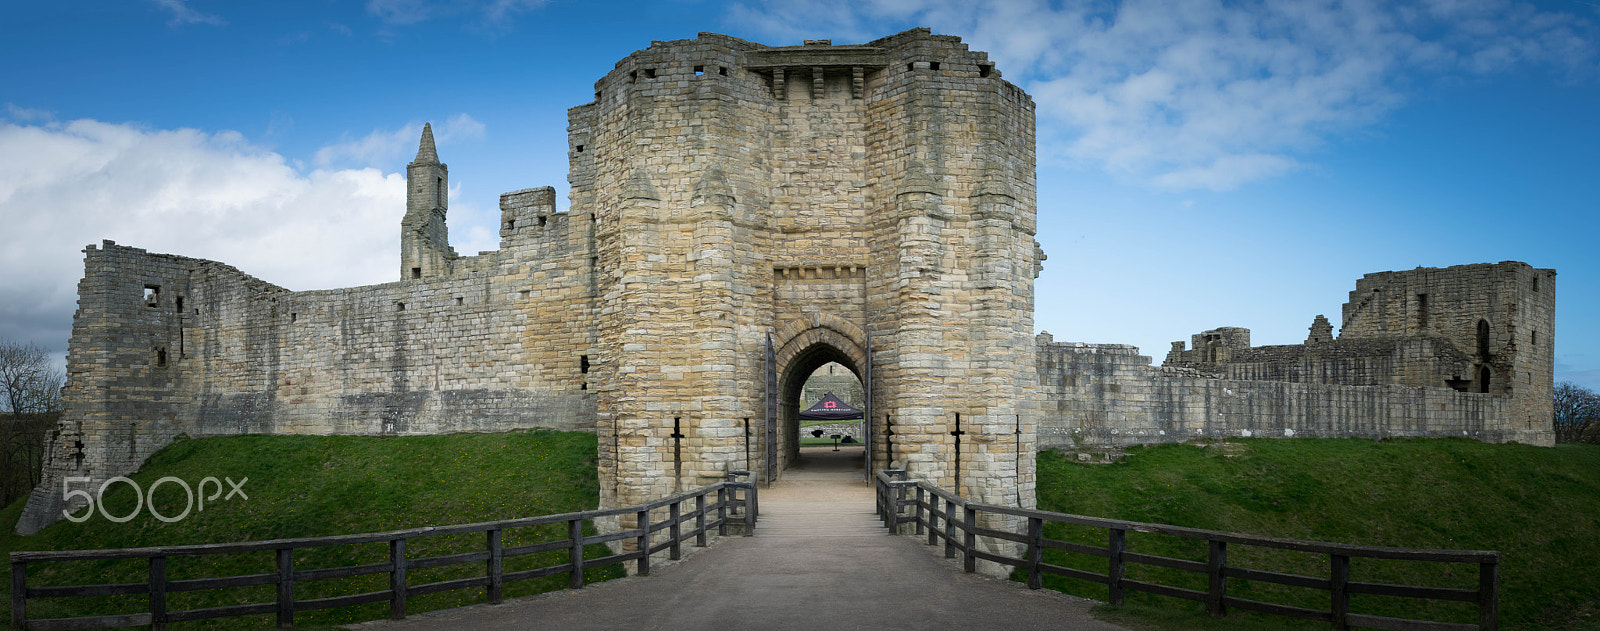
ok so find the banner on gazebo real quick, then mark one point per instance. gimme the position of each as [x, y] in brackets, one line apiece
[830, 408]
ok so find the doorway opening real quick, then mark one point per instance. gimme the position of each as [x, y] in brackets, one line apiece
[810, 446]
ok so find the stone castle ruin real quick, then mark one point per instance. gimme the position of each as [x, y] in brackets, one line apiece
[740, 216]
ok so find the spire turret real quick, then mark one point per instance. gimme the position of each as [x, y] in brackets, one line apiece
[426, 153]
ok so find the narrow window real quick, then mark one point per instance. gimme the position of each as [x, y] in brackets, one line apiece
[911, 66]
[152, 295]
[180, 305]
[543, 220]
[583, 364]
[699, 70]
[633, 76]
[524, 293]
[1536, 283]
[399, 306]
[580, 148]
[416, 272]
[1483, 380]
[1533, 338]
[439, 192]
[649, 73]
[460, 301]
[294, 317]
[722, 70]
[983, 71]
[597, 96]
[1422, 311]
[161, 357]
[511, 224]
[1483, 340]
[933, 65]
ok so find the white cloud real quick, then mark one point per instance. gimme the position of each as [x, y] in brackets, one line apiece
[384, 147]
[1205, 93]
[213, 196]
[182, 14]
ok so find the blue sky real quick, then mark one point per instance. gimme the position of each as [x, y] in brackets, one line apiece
[1201, 164]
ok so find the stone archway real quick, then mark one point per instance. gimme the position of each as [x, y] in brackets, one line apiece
[802, 346]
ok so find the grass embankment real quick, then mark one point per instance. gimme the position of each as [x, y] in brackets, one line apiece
[306, 486]
[1539, 507]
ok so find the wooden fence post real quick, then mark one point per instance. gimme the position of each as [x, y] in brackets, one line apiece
[949, 529]
[700, 520]
[1215, 561]
[919, 519]
[496, 569]
[1035, 552]
[575, 553]
[722, 511]
[158, 593]
[1339, 584]
[1489, 595]
[970, 540]
[643, 517]
[1116, 566]
[397, 579]
[674, 513]
[285, 588]
[750, 510]
[19, 595]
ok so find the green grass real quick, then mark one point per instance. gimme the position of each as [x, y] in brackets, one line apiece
[1540, 507]
[306, 486]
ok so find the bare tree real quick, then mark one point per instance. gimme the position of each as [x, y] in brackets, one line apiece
[30, 394]
[1577, 414]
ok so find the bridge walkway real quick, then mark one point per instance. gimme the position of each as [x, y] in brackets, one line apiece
[819, 560]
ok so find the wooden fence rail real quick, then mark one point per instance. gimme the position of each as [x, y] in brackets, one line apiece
[735, 502]
[901, 501]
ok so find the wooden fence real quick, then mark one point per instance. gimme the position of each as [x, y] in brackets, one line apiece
[942, 515]
[735, 499]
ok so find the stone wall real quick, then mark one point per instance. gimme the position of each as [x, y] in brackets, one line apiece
[1108, 395]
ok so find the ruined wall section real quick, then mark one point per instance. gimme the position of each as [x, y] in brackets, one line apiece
[1514, 303]
[215, 351]
[1107, 395]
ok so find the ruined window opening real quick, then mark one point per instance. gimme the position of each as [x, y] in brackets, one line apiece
[597, 96]
[1483, 380]
[1536, 283]
[524, 293]
[983, 71]
[933, 65]
[179, 306]
[580, 148]
[511, 224]
[583, 364]
[416, 272]
[722, 70]
[1533, 337]
[438, 192]
[152, 295]
[543, 220]
[399, 306]
[633, 76]
[699, 70]
[1422, 311]
[649, 73]
[1483, 340]
[911, 66]
[294, 317]
[460, 301]
[161, 358]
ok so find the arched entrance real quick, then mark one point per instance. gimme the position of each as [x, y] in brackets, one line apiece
[801, 348]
